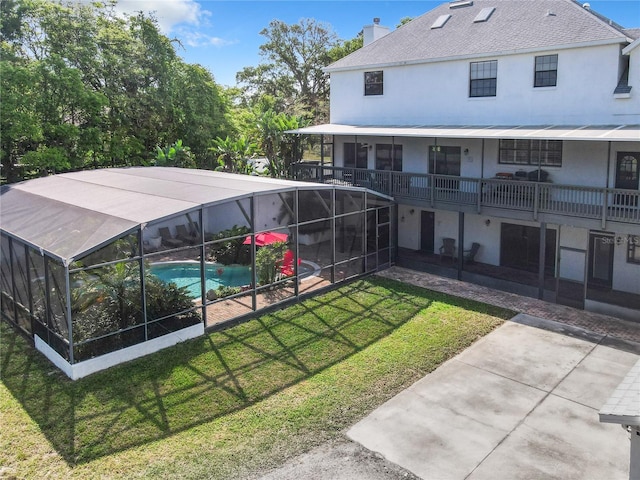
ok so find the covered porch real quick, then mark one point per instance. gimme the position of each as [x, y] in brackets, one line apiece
[515, 280]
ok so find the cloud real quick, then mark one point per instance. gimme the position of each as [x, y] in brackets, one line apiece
[184, 19]
[199, 39]
[169, 13]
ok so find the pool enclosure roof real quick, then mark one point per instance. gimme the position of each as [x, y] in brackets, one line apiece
[70, 214]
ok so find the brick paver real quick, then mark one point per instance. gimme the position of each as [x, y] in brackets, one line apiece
[612, 327]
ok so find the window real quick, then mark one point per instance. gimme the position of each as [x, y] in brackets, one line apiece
[389, 157]
[373, 83]
[355, 156]
[546, 71]
[531, 152]
[633, 249]
[484, 79]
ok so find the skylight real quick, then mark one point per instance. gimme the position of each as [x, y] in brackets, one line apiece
[461, 3]
[441, 20]
[484, 14]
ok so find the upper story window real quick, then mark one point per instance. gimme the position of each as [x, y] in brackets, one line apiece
[388, 157]
[546, 71]
[531, 152]
[373, 83]
[483, 79]
[355, 155]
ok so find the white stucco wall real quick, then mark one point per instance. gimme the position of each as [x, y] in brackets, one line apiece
[438, 93]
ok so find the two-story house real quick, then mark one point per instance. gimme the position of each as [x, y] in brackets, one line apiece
[508, 133]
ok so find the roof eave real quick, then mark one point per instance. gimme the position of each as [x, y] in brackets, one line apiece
[632, 46]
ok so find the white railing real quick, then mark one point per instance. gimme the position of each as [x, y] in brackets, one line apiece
[606, 204]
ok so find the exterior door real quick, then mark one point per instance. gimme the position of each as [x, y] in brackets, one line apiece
[601, 260]
[445, 161]
[427, 228]
[627, 177]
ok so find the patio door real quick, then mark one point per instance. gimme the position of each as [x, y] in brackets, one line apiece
[627, 177]
[601, 260]
[427, 228]
[445, 161]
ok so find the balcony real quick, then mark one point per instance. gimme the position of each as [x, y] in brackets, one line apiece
[479, 194]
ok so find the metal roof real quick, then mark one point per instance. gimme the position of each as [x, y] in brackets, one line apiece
[613, 133]
[515, 26]
[72, 213]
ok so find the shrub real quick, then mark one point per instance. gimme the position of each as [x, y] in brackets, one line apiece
[230, 251]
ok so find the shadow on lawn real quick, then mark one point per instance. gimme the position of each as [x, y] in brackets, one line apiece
[202, 379]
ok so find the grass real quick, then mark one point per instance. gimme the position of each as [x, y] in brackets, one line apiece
[235, 402]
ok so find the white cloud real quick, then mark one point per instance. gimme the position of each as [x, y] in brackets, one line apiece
[169, 13]
[199, 39]
[185, 19]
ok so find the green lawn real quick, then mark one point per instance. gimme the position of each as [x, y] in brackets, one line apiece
[232, 402]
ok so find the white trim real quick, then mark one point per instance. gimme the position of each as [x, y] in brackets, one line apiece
[626, 50]
[87, 367]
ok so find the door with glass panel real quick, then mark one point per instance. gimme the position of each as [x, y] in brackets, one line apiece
[601, 248]
[445, 161]
[627, 177]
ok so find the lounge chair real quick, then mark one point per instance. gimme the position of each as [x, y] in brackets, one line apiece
[185, 235]
[167, 239]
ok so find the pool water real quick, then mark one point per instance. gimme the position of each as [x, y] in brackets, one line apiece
[188, 275]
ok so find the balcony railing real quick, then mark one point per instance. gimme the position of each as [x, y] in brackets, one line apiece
[605, 204]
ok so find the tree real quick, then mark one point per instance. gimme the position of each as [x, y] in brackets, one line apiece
[84, 87]
[346, 47]
[234, 155]
[292, 73]
[281, 149]
[175, 155]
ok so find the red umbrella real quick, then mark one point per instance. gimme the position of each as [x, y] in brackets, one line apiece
[266, 238]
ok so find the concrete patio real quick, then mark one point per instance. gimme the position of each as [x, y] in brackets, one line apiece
[522, 402]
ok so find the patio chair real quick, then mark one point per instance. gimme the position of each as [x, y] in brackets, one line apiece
[195, 231]
[183, 234]
[286, 265]
[448, 249]
[167, 239]
[470, 255]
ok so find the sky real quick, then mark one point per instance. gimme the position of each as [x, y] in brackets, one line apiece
[224, 35]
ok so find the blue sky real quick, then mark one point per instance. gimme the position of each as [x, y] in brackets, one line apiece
[224, 35]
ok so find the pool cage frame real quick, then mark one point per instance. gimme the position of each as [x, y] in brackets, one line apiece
[39, 289]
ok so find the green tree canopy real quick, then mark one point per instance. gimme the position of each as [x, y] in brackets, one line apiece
[294, 56]
[83, 87]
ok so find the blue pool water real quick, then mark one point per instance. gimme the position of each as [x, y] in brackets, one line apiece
[188, 275]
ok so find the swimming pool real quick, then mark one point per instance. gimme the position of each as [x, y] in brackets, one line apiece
[187, 274]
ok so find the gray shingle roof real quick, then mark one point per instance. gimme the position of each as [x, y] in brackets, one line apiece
[515, 25]
[632, 33]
